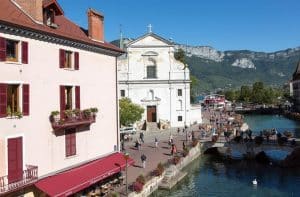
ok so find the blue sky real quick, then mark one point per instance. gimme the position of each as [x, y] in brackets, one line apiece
[261, 25]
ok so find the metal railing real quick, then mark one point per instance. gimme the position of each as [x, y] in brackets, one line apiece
[30, 175]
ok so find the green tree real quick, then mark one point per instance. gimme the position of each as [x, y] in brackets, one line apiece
[230, 95]
[129, 112]
[258, 92]
[245, 94]
[180, 56]
[194, 87]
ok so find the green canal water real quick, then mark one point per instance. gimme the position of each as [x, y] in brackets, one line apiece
[208, 176]
[259, 122]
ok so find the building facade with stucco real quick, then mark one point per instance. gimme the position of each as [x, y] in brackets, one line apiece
[150, 76]
[58, 101]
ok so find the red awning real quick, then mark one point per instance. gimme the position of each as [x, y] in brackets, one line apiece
[76, 179]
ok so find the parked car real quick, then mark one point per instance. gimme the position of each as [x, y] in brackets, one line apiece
[128, 130]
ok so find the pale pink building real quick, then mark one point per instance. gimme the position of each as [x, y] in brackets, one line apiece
[49, 64]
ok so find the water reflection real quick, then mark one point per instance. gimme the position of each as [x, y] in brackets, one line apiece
[213, 177]
[259, 122]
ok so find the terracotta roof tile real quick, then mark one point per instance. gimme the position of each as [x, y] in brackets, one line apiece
[11, 14]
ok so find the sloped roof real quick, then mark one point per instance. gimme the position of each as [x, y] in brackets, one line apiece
[153, 35]
[296, 75]
[10, 14]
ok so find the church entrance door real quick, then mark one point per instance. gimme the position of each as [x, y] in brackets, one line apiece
[151, 113]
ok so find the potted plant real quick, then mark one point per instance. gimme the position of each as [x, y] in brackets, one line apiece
[18, 114]
[8, 111]
[159, 169]
[141, 179]
[68, 113]
[87, 113]
[176, 160]
[55, 115]
[137, 187]
[76, 113]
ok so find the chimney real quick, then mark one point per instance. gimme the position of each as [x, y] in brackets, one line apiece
[33, 8]
[96, 25]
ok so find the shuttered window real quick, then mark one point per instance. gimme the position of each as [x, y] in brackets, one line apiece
[25, 52]
[68, 59]
[25, 99]
[76, 61]
[70, 142]
[62, 101]
[15, 159]
[2, 49]
[3, 100]
[62, 58]
[9, 50]
[77, 97]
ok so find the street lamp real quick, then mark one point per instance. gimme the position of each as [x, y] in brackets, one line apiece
[186, 135]
[126, 157]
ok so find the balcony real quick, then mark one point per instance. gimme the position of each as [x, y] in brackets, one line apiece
[73, 118]
[30, 175]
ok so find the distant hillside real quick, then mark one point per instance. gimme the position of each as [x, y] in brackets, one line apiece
[230, 69]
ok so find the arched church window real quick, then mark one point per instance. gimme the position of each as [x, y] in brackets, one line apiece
[151, 68]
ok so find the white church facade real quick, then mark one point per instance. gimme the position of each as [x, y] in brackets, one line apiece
[150, 76]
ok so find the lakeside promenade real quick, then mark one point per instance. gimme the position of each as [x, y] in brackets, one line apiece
[156, 155]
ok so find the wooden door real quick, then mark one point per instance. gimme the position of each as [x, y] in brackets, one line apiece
[151, 113]
[15, 159]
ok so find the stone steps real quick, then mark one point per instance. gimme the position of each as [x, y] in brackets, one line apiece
[151, 126]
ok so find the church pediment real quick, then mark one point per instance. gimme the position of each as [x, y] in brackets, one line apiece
[149, 39]
[150, 53]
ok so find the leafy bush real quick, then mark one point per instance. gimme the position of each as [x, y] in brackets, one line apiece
[176, 159]
[141, 179]
[137, 187]
[194, 142]
[185, 152]
[159, 169]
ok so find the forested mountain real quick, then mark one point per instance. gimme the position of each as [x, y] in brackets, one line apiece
[231, 69]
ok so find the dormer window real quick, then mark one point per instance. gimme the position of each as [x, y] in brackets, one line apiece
[51, 9]
[49, 15]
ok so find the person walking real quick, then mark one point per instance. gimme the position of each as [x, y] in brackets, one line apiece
[142, 137]
[156, 142]
[143, 158]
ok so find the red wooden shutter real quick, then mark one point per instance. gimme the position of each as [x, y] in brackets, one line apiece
[62, 101]
[77, 97]
[15, 159]
[3, 99]
[68, 144]
[70, 140]
[73, 143]
[62, 58]
[25, 52]
[2, 49]
[25, 99]
[76, 60]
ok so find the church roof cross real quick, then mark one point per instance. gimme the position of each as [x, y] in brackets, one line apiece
[149, 28]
